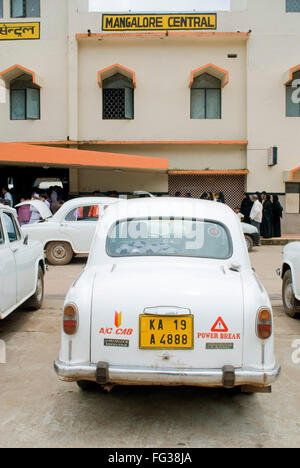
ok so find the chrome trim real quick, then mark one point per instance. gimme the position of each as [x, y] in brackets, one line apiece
[278, 272]
[150, 376]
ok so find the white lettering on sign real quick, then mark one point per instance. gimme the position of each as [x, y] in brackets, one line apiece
[296, 353]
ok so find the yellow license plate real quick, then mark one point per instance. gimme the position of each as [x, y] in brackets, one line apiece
[166, 332]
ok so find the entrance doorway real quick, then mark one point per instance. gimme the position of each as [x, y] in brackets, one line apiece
[22, 180]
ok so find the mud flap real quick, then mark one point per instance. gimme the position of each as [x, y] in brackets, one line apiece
[228, 377]
[102, 373]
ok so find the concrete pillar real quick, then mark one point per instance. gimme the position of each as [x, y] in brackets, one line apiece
[72, 77]
[74, 180]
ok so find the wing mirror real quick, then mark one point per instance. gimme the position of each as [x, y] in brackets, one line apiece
[26, 239]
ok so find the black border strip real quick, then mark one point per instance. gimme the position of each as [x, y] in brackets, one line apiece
[23, 38]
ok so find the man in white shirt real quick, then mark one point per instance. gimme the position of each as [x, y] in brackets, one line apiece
[7, 196]
[256, 213]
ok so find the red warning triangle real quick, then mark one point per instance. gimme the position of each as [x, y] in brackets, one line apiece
[220, 326]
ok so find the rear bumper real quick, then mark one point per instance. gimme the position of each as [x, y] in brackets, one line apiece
[104, 374]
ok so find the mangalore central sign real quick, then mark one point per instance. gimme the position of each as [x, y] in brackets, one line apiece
[157, 22]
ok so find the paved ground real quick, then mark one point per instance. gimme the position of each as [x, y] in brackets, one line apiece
[36, 410]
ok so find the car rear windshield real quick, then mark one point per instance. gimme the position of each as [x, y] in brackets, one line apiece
[175, 237]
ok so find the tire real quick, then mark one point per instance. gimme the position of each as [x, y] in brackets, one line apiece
[249, 242]
[87, 386]
[59, 253]
[36, 301]
[291, 304]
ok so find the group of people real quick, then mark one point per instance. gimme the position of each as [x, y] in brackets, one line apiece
[218, 197]
[52, 197]
[263, 211]
[28, 214]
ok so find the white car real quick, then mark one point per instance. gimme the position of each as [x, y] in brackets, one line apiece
[251, 236]
[70, 231]
[290, 274]
[22, 266]
[168, 297]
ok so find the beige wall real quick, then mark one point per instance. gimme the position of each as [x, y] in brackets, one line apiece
[162, 95]
[48, 58]
[185, 157]
[253, 103]
[122, 181]
[272, 50]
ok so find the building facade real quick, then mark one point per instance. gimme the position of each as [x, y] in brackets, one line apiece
[189, 104]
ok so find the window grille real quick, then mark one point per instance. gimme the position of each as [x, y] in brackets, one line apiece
[117, 98]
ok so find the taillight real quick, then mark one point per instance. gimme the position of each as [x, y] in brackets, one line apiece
[70, 319]
[264, 324]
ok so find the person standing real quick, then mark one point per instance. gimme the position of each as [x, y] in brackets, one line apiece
[7, 196]
[277, 215]
[256, 214]
[267, 218]
[220, 197]
[246, 207]
[24, 213]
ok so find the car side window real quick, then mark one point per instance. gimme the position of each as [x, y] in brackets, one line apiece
[83, 213]
[11, 228]
[2, 240]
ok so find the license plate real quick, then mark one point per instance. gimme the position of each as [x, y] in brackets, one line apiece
[166, 332]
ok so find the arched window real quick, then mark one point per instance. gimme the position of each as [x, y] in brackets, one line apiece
[118, 98]
[24, 98]
[206, 97]
[293, 96]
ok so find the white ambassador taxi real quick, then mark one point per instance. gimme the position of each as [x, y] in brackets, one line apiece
[168, 297]
[290, 274]
[22, 266]
[70, 231]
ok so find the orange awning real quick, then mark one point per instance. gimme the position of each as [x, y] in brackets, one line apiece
[19, 153]
[212, 172]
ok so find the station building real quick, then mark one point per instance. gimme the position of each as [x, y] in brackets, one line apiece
[162, 103]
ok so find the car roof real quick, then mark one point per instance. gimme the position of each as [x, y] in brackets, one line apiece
[84, 201]
[7, 208]
[174, 207]
[41, 207]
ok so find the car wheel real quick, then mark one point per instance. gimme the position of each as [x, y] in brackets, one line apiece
[291, 305]
[250, 243]
[87, 385]
[36, 301]
[59, 253]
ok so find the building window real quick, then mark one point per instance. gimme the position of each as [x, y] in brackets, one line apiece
[118, 98]
[1, 8]
[206, 97]
[25, 9]
[24, 99]
[293, 6]
[293, 96]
